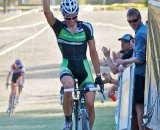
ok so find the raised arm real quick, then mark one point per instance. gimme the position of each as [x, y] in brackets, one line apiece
[112, 66]
[48, 13]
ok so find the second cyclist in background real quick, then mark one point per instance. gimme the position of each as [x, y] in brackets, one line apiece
[17, 76]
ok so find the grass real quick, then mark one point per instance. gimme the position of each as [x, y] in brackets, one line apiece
[52, 118]
[104, 118]
[26, 120]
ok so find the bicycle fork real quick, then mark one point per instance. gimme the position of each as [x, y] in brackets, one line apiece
[12, 100]
[83, 122]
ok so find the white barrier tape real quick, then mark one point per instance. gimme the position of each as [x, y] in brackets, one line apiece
[27, 26]
[32, 25]
[111, 25]
[23, 41]
[21, 14]
[21, 27]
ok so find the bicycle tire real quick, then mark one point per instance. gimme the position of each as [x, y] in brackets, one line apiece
[75, 112]
[83, 123]
[66, 129]
[12, 105]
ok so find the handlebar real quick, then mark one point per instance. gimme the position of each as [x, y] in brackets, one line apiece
[7, 84]
[81, 90]
[102, 96]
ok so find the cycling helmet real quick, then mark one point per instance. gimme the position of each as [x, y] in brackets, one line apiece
[69, 7]
[18, 63]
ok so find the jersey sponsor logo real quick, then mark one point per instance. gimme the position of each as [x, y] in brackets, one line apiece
[71, 43]
[77, 37]
[71, 37]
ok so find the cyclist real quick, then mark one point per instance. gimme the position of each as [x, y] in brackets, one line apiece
[73, 37]
[17, 75]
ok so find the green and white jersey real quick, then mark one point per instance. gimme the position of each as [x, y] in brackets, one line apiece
[73, 48]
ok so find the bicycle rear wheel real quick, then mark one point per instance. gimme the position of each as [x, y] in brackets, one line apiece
[83, 123]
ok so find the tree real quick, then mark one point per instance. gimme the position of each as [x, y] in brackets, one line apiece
[5, 4]
[82, 2]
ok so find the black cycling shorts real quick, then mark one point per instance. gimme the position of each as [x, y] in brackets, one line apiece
[15, 76]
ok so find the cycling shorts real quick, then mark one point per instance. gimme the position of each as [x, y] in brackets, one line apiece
[77, 70]
[15, 76]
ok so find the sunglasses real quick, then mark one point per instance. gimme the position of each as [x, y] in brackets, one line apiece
[67, 18]
[133, 21]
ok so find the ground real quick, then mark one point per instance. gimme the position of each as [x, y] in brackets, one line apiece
[39, 108]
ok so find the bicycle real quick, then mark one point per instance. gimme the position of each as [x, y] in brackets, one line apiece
[79, 109]
[12, 101]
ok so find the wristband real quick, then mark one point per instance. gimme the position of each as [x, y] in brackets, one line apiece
[98, 75]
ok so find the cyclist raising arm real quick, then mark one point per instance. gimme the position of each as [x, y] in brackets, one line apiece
[72, 37]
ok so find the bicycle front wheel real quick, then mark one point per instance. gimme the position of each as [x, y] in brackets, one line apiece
[75, 112]
[12, 105]
[83, 123]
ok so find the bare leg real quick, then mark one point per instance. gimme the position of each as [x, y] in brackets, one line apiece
[20, 90]
[134, 122]
[67, 82]
[140, 111]
[19, 85]
[12, 93]
[90, 97]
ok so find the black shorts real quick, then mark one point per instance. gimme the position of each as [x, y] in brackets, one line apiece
[78, 69]
[139, 87]
[15, 76]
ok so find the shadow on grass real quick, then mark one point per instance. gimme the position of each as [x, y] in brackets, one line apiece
[33, 120]
[52, 119]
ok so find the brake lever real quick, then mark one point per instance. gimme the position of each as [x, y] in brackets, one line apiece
[103, 97]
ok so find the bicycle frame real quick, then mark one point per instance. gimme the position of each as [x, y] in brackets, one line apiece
[12, 99]
[12, 105]
[79, 109]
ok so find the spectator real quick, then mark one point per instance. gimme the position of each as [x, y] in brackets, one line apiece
[134, 20]
[125, 53]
